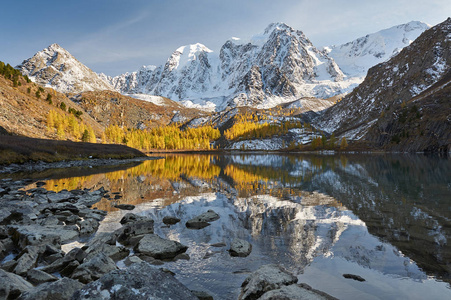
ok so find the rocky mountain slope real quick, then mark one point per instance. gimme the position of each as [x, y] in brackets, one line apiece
[356, 57]
[57, 68]
[403, 104]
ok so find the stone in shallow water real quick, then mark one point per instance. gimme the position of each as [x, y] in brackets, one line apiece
[125, 206]
[168, 220]
[139, 282]
[295, 292]
[202, 220]
[240, 248]
[159, 248]
[266, 278]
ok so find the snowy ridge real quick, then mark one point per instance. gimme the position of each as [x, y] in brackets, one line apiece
[277, 66]
[55, 67]
[356, 57]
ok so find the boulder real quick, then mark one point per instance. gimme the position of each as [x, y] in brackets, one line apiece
[132, 229]
[88, 226]
[240, 248]
[62, 290]
[139, 282]
[94, 268]
[42, 235]
[27, 260]
[130, 217]
[201, 295]
[266, 278]
[132, 260]
[68, 263]
[116, 253]
[159, 248]
[37, 277]
[12, 285]
[295, 292]
[202, 220]
[168, 220]
[125, 206]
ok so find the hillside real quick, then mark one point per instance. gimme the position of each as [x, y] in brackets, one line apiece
[403, 104]
[23, 113]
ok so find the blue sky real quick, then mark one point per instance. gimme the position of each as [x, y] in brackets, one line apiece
[116, 36]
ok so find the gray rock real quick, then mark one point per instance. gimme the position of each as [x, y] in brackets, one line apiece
[6, 246]
[88, 226]
[202, 220]
[157, 247]
[355, 277]
[125, 206]
[138, 282]
[132, 229]
[168, 220]
[59, 197]
[59, 290]
[266, 278]
[240, 248]
[42, 235]
[130, 217]
[27, 260]
[37, 277]
[94, 268]
[116, 253]
[132, 260]
[12, 285]
[201, 295]
[59, 265]
[295, 292]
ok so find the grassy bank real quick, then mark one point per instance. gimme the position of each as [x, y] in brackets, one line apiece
[18, 149]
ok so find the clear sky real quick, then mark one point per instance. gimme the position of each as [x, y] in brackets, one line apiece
[116, 36]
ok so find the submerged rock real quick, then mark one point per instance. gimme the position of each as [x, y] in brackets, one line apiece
[159, 248]
[240, 248]
[266, 278]
[355, 277]
[295, 292]
[202, 220]
[130, 217]
[125, 206]
[140, 282]
[168, 220]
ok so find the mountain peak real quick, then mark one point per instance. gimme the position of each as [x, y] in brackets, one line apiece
[55, 66]
[277, 26]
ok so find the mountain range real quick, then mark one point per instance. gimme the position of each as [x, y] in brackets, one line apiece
[390, 88]
[278, 66]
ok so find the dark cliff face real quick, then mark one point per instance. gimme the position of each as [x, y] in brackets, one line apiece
[403, 104]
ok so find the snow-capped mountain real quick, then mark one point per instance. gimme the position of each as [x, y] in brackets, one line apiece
[57, 68]
[356, 57]
[277, 66]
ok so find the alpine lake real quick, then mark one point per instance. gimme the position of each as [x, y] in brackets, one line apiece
[385, 218]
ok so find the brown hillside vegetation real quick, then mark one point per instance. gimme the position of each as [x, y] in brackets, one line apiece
[113, 108]
[23, 113]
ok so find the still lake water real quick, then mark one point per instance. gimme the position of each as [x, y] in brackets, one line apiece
[386, 218]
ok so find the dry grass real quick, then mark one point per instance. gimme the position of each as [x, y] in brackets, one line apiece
[17, 149]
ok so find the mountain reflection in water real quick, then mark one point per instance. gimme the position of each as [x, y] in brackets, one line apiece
[386, 218]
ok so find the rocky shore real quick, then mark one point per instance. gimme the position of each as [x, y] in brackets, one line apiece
[39, 231]
[93, 162]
